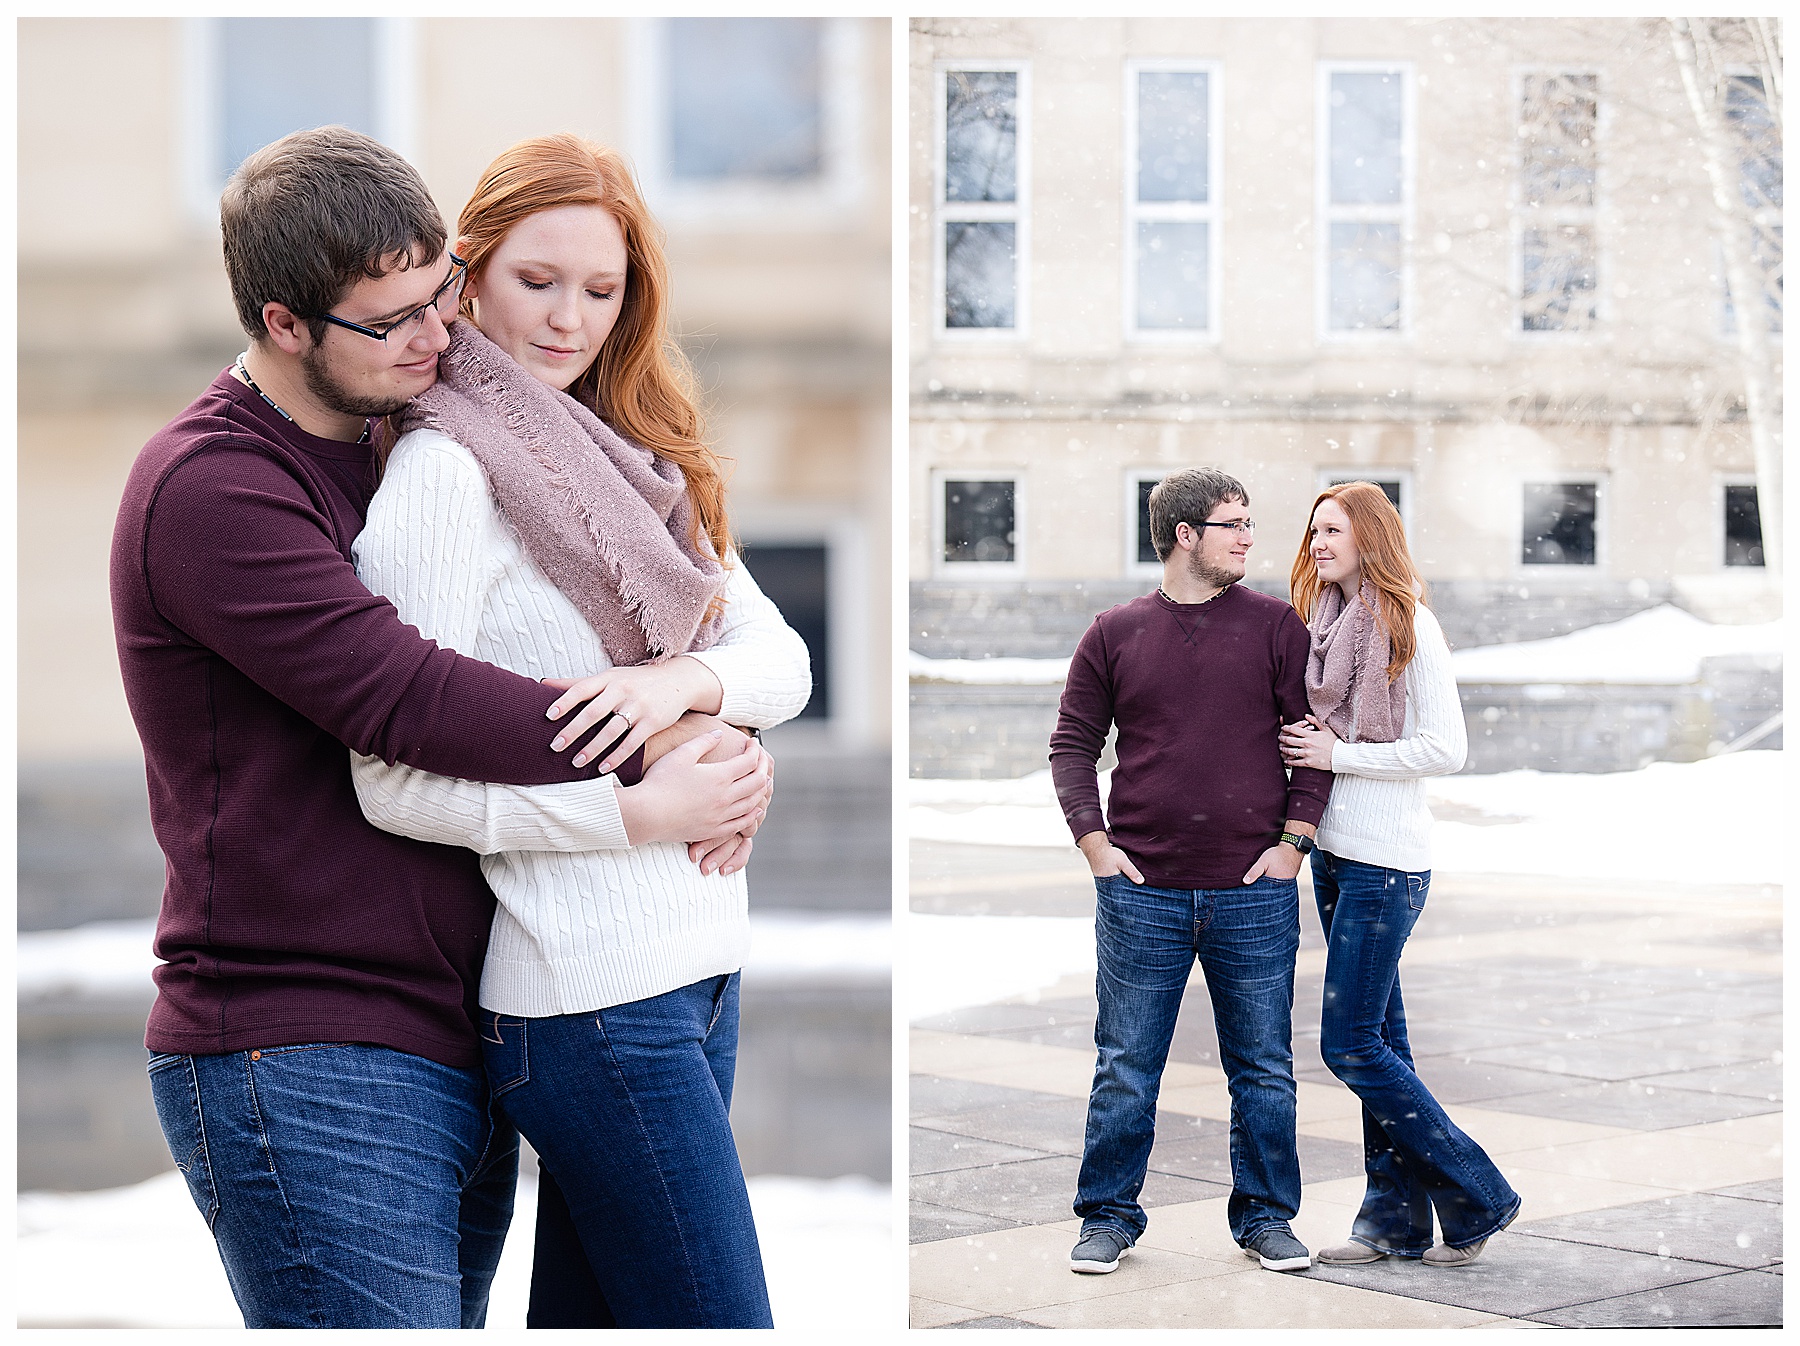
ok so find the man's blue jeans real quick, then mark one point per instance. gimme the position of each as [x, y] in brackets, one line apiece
[643, 1216]
[1415, 1156]
[345, 1185]
[1147, 940]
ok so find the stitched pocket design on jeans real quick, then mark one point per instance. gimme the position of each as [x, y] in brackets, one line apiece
[504, 1051]
[1417, 886]
[176, 1092]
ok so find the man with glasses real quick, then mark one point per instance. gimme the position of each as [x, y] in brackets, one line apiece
[314, 1059]
[1194, 858]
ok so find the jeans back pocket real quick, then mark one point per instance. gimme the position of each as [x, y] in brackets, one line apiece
[175, 1088]
[504, 1051]
[1417, 886]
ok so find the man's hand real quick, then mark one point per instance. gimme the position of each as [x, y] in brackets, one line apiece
[1280, 861]
[1105, 859]
[726, 855]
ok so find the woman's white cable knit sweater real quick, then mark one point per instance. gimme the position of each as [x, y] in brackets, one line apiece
[1377, 813]
[586, 920]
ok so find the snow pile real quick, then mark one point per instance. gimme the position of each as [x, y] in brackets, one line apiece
[1674, 822]
[142, 1257]
[990, 672]
[800, 948]
[1680, 822]
[112, 959]
[1021, 812]
[954, 961]
[1658, 646]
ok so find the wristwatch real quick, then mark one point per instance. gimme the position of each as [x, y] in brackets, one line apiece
[1302, 844]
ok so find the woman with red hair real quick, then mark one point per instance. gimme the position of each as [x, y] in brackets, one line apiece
[1385, 715]
[553, 507]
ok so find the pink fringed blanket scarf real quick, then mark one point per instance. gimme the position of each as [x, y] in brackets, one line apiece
[608, 522]
[1346, 671]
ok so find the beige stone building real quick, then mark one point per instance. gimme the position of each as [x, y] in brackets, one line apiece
[771, 176]
[1473, 260]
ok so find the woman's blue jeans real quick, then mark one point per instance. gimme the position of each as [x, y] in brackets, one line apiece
[345, 1185]
[1415, 1156]
[643, 1216]
[1147, 940]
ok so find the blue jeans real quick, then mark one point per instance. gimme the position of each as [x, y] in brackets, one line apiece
[1415, 1156]
[1147, 940]
[346, 1185]
[643, 1216]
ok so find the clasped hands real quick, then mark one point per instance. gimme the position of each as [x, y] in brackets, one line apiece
[1308, 743]
[705, 782]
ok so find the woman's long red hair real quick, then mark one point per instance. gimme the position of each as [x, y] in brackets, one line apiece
[1380, 539]
[642, 384]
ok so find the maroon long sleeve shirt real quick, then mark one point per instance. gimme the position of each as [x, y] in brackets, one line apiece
[251, 656]
[1199, 692]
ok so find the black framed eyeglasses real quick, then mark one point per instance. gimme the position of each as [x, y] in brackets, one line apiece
[1243, 527]
[445, 301]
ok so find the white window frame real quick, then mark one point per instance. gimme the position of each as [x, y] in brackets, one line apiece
[944, 568]
[203, 177]
[1134, 477]
[1016, 212]
[1725, 324]
[1211, 213]
[1602, 494]
[1403, 475]
[822, 204]
[1558, 215]
[1720, 482]
[1326, 214]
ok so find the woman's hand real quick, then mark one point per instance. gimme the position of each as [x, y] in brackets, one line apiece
[1308, 743]
[685, 798]
[648, 697]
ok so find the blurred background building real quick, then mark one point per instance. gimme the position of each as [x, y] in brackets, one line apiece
[1490, 265]
[763, 146]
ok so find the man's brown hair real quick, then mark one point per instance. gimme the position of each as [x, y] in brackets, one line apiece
[1188, 497]
[307, 217]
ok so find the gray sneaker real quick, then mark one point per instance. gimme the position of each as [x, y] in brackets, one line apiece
[1098, 1252]
[1351, 1254]
[1279, 1250]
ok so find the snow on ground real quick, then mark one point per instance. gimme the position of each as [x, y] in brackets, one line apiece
[787, 948]
[953, 961]
[1670, 822]
[141, 1256]
[1660, 645]
[1013, 672]
[1680, 822]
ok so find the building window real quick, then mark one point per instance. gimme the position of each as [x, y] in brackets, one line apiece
[978, 523]
[1756, 136]
[981, 198]
[1556, 218]
[796, 578]
[736, 117]
[1395, 483]
[1171, 199]
[252, 81]
[1560, 521]
[1365, 191]
[1140, 553]
[1743, 525]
